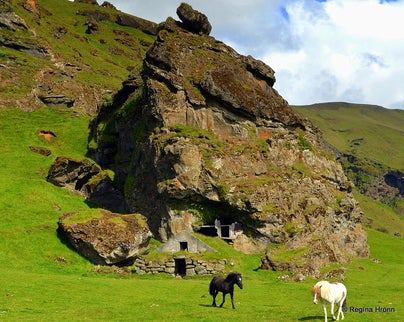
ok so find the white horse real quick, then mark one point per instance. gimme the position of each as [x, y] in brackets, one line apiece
[333, 293]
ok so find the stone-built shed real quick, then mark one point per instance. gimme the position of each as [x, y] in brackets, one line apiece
[185, 241]
[182, 264]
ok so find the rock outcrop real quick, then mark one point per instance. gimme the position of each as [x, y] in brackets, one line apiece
[138, 23]
[194, 20]
[205, 135]
[88, 179]
[106, 238]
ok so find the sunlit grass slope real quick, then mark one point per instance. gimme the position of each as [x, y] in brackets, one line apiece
[29, 206]
[372, 132]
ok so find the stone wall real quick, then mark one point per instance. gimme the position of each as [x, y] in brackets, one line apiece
[181, 265]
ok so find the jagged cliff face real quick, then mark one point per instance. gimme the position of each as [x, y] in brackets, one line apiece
[204, 135]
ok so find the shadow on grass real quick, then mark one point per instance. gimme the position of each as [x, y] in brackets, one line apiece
[215, 307]
[312, 318]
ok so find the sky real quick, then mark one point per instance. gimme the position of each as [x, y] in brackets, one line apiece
[321, 50]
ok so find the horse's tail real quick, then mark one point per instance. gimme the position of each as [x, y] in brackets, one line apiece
[344, 305]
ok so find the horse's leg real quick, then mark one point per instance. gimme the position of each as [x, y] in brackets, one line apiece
[332, 310]
[340, 312]
[214, 297]
[232, 303]
[325, 312]
[224, 295]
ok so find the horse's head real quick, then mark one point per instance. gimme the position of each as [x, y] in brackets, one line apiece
[239, 280]
[316, 292]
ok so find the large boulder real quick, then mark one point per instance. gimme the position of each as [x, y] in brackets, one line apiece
[194, 20]
[106, 238]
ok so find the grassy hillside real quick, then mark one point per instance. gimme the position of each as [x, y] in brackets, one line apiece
[374, 136]
[369, 132]
[74, 59]
[42, 279]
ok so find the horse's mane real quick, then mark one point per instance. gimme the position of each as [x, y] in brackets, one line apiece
[324, 289]
[232, 275]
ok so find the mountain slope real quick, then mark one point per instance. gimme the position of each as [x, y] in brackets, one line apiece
[366, 131]
[71, 54]
[367, 140]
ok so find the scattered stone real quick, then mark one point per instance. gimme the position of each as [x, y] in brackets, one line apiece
[336, 275]
[94, 2]
[61, 259]
[109, 5]
[299, 277]
[57, 100]
[92, 26]
[40, 150]
[11, 21]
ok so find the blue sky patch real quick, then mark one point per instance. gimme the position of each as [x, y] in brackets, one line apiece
[284, 13]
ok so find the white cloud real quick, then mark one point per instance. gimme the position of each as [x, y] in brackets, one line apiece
[335, 50]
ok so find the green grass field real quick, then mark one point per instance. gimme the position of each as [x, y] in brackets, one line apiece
[35, 285]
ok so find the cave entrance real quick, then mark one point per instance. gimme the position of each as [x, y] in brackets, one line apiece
[180, 266]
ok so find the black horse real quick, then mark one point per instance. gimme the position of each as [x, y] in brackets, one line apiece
[225, 285]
